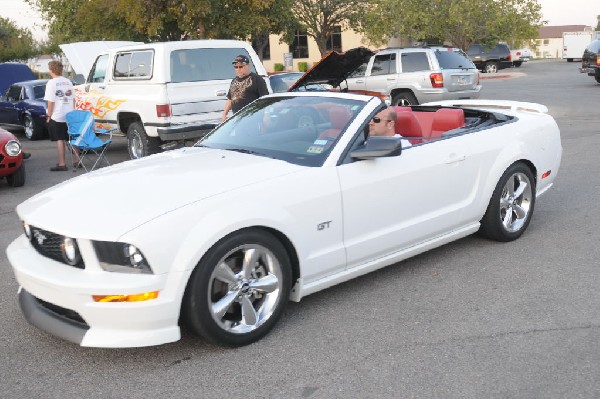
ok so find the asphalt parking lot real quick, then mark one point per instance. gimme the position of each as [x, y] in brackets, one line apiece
[472, 319]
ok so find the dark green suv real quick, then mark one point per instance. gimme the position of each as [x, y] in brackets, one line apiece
[492, 59]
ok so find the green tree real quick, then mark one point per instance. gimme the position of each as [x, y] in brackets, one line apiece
[16, 44]
[320, 17]
[461, 22]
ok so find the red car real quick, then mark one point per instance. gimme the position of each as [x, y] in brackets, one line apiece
[11, 159]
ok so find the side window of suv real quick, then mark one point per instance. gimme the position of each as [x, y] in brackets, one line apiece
[201, 64]
[134, 65]
[359, 72]
[98, 71]
[384, 64]
[413, 62]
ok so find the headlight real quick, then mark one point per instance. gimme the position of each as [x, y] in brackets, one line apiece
[121, 257]
[13, 148]
[27, 230]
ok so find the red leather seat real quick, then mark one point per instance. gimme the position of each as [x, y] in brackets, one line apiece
[338, 117]
[407, 125]
[446, 119]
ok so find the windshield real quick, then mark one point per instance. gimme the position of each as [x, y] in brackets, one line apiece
[300, 130]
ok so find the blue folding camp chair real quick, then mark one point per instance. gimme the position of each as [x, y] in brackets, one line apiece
[83, 138]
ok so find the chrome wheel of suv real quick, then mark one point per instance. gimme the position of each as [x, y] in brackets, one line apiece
[491, 67]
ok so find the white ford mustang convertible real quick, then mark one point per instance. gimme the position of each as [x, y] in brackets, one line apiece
[286, 198]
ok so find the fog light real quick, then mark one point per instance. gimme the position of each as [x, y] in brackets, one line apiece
[70, 251]
[144, 296]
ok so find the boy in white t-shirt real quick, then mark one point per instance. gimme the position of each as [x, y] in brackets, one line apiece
[60, 96]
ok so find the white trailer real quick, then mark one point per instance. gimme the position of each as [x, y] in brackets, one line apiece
[574, 44]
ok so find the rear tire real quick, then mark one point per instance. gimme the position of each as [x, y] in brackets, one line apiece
[17, 179]
[491, 67]
[139, 144]
[404, 99]
[511, 206]
[33, 129]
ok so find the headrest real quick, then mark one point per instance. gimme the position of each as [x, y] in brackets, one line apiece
[447, 119]
[407, 125]
[339, 116]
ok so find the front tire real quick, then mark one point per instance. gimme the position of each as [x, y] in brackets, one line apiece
[404, 99]
[33, 130]
[17, 179]
[239, 289]
[491, 67]
[139, 144]
[511, 206]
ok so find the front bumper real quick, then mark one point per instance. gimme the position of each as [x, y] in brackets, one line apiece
[186, 131]
[58, 299]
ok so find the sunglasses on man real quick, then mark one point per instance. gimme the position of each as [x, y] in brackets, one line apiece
[377, 120]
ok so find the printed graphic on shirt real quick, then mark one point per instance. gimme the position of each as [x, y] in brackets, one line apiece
[239, 87]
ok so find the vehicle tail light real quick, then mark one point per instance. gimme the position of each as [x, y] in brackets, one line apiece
[163, 110]
[437, 79]
[518, 53]
[598, 60]
[510, 57]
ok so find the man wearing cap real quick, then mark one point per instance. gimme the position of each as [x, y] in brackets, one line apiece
[245, 87]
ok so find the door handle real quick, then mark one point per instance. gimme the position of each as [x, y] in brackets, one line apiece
[102, 87]
[360, 81]
[455, 158]
[220, 92]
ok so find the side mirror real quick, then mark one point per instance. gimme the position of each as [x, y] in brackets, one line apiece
[377, 147]
[78, 79]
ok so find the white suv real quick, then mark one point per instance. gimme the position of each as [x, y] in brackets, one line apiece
[416, 75]
[157, 93]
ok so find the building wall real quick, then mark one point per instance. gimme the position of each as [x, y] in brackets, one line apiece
[350, 39]
[549, 48]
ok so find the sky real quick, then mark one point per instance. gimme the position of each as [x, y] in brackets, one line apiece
[556, 12]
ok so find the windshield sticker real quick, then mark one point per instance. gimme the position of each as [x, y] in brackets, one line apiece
[320, 142]
[315, 149]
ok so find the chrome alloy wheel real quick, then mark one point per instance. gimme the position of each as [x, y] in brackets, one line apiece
[244, 288]
[28, 126]
[136, 148]
[515, 202]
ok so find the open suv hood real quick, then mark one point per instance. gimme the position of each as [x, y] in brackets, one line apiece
[334, 67]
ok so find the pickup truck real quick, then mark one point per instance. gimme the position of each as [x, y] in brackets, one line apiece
[159, 94]
[520, 56]
[490, 60]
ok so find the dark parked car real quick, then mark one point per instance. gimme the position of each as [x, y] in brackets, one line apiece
[492, 59]
[23, 105]
[11, 159]
[590, 61]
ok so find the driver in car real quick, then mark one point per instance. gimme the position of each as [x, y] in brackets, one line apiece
[384, 123]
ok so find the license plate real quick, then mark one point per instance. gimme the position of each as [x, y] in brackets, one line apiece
[461, 80]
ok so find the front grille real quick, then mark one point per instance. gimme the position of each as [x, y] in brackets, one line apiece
[50, 244]
[63, 313]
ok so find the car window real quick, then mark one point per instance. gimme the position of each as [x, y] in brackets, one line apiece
[412, 62]
[98, 71]
[39, 91]
[384, 64]
[300, 130]
[594, 46]
[199, 64]
[360, 71]
[13, 93]
[453, 59]
[134, 65]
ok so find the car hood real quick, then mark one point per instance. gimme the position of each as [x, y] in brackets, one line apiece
[112, 201]
[335, 67]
